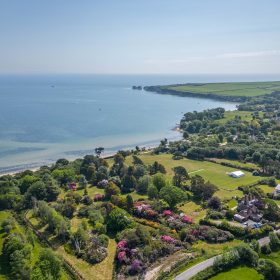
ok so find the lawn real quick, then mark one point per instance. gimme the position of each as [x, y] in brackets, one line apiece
[215, 173]
[237, 163]
[216, 248]
[100, 271]
[194, 210]
[228, 89]
[232, 203]
[266, 188]
[136, 196]
[230, 115]
[240, 273]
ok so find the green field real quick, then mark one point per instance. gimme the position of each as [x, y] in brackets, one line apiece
[240, 273]
[215, 173]
[230, 115]
[228, 89]
[237, 163]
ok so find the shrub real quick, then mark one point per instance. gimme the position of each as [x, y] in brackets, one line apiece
[269, 269]
[118, 220]
[99, 228]
[274, 241]
[265, 249]
[98, 197]
[103, 240]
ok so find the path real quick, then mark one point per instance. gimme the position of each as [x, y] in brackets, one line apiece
[196, 171]
[195, 269]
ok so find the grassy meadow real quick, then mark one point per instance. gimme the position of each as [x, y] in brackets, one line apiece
[215, 173]
[229, 89]
[240, 273]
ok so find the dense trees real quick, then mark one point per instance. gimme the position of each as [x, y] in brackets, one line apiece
[143, 184]
[111, 189]
[118, 220]
[18, 254]
[48, 266]
[44, 189]
[201, 189]
[180, 175]
[49, 216]
[172, 195]
[272, 211]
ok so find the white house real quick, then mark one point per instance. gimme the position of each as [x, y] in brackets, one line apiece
[236, 174]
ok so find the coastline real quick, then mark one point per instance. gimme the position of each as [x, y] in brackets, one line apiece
[35, 168]
[160, 90]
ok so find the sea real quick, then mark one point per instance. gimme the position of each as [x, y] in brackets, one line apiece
[47, 117]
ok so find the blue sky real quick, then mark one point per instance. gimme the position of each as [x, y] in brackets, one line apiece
[139, 36]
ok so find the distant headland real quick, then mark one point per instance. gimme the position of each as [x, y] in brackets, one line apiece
[235, 92]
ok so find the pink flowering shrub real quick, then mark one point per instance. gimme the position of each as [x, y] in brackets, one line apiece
[144, 210]
[187, 219]
[122, 244]
[168, 239]
[167, 213]
[121, 256]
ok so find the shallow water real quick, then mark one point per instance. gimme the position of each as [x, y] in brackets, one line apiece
[43, 118]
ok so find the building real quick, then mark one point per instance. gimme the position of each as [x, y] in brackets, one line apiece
[276, 192]
[236, 174]
[249, 209]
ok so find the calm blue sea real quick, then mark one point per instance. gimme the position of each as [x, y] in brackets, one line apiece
[46, 117]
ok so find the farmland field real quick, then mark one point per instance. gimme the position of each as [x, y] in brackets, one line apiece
[240, 273]
[215, 173]
[228, 89]
[230, 115]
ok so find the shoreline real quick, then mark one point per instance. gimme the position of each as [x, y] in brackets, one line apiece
[36, 168]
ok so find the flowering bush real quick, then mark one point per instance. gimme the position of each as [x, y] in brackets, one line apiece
[122, 244]
[210, 234]
[121, 256]
[148, 223]
[167, 213]
[135, 267]
[168, 239]
[151, 214]
[187, 219]
[144, 210]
